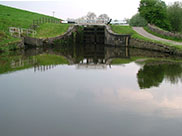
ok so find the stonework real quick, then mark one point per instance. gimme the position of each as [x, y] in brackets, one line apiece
[165, 33]
[47, 41]
[136, 43]
[112, 38]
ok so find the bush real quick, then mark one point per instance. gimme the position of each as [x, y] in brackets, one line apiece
[137, 20]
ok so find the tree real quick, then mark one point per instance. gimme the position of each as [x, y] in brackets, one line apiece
[174, 13]
[155, 12]
[137, 20]
[91, 16]
[103, 17]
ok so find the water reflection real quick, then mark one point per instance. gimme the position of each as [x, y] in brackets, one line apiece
[153, 73]
[89, 96]
[155, 67]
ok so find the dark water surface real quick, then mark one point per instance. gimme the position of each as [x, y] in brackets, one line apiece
[90, 96]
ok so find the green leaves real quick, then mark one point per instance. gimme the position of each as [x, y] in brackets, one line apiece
[174, 13]
[155, 12]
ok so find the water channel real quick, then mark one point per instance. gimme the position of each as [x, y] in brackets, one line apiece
[97, 91]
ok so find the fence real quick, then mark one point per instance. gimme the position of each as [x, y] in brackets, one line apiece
[43, 20]
[18, 32]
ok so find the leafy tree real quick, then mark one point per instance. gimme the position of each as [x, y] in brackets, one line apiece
[155, 12]
[174, 13]
[137, 20]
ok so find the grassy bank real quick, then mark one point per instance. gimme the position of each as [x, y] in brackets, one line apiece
[12, 17]
[51, 30]
[128, 30]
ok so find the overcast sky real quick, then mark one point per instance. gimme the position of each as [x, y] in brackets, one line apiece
[116, 9]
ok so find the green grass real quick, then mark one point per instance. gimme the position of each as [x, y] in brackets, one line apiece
[50, 59]
[128, 30]
[12, 17]
[42, 59]
[163, 36]
[51, 30]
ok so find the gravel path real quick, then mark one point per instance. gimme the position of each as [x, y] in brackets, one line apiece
[144, 33]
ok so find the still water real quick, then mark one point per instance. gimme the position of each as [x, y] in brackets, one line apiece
[90, 96]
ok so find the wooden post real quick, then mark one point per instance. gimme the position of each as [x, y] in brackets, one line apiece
[127, 41]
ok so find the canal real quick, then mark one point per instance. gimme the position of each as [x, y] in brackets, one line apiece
[90, 90]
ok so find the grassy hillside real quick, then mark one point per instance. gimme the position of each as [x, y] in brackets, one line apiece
[12, 17]
[17, 18]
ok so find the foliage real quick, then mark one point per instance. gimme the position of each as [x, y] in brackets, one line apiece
[137, 20]
[155, 12]
[174, 13]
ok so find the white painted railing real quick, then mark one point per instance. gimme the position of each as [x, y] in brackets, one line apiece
[92, 21]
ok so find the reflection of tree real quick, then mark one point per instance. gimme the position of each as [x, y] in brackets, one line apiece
[173, 73]
[153, 75]
[150, 76]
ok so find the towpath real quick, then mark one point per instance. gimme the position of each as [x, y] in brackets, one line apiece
[144, 33]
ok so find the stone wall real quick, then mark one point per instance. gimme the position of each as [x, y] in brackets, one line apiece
[112, 38]
[31, 41]
[165, 33]
[154, 47]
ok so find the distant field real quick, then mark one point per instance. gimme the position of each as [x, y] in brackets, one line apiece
[12, 17]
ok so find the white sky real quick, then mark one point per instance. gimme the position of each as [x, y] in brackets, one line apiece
[116, 9]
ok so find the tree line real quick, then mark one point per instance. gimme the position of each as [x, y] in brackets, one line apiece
[156, 12]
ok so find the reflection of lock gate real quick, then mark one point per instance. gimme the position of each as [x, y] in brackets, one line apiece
[17, 32]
